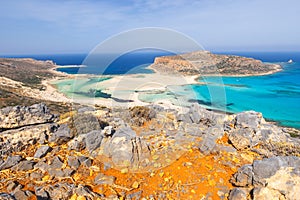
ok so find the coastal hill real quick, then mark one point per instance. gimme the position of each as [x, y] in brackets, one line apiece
[206, 63]
[22, 82]
[26, 70]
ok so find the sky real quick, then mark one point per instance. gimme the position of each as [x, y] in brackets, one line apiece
[77, 26]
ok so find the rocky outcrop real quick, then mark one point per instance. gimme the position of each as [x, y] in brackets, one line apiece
[90, 152]
[251, 130]
[271, 178]
[206, 63]
[19, 116]
[126, 149]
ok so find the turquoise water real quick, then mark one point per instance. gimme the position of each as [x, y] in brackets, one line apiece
[277, 96]
[82, 87]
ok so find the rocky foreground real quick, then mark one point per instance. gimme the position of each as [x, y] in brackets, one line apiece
[203, 63]
[145, 153]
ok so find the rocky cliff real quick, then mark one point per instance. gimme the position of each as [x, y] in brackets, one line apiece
[206, 63]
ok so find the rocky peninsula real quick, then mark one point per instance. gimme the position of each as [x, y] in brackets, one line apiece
[52, 148]
[205, 63]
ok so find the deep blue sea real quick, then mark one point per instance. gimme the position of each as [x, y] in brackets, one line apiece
[277, 96]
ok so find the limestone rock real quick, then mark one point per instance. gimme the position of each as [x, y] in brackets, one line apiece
[61, 172]
[125, 148]
[237, 194]
[11, 186]
[59, 190]
[108, 131]
[18, 116]
[85, 123]
[249, 119]
[104, 179]
[62, 135]
[10, 162]
[82, 190]
[42, 151]
[262, 193]
[141, 114]
[244, 176]
[268, 167]
[85, 161]
[16, 140]
[73, 162]
[93, 140]
[241, 138]
[24, 165]
[208, 142]
[272, 178]
[77, 143]
[56, 163]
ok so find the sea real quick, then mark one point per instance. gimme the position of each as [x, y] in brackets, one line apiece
[276, 96]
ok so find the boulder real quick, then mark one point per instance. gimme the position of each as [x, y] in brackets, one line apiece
[24, 165]
[56, 163]
[264, 169]
[271, 178]
[249, 119]
[62, 135]
[42, 151]
[141, 114]
[102, 179]
[73, 162]
[93, 140]
[84, 191]
[125, 148]
[77, 143]
[10, 162]
[243, 177]
[209, 137]
[241, 138]
[85, 123]
[237, 194]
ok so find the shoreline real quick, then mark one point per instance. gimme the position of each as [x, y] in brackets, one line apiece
[70, 66]
[276, 70]
[135, 83]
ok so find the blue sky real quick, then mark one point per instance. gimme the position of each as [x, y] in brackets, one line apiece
[57, 26]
